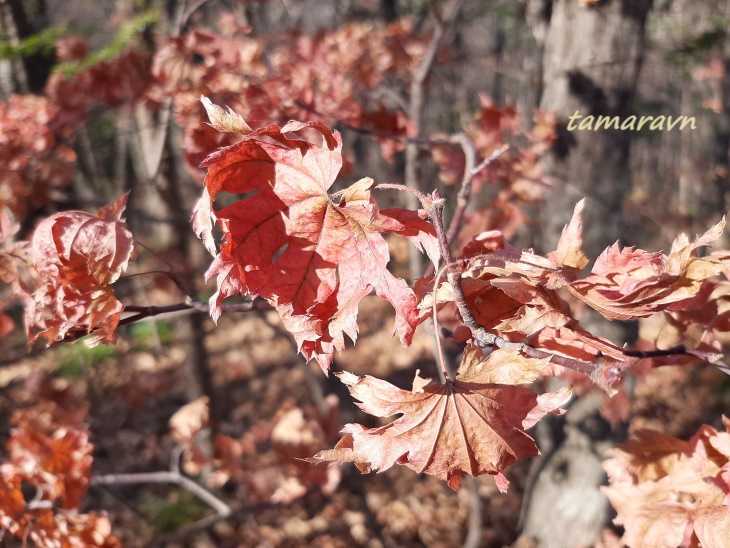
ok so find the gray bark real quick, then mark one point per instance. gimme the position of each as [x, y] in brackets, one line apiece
[591, 62]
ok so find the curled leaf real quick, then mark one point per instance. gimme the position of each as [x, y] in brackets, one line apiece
[626, 284]
[77, 256]
[226, 121]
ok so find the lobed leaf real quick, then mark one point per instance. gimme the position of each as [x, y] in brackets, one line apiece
[473, 425]
[311, 255]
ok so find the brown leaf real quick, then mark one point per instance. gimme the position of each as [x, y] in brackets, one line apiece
[666, 491]
[190, 419]
[627, 284]
[467, 426]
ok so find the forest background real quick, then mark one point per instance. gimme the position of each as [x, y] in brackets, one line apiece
[103, 98]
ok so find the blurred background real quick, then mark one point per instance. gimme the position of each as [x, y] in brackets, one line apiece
[101, 98]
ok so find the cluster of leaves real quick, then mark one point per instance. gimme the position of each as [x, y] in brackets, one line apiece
[334, 253]
[33, 157]
[45, 478]
[526, 304]
[314, 256]
[331, 75]
[670, 492]
[509, 181]
[97, 84]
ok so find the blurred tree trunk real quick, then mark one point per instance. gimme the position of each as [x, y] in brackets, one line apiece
[13, 21]
[591, 61]
[591, 64]
[20, 19]
[721, 130]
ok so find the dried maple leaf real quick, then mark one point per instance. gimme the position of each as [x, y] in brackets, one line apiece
[627, 284]
[472, 425]
[312, 256]
[77, 256]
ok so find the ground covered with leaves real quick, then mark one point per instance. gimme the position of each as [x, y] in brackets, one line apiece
[274, 407]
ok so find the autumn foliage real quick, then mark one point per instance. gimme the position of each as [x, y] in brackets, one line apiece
[285, 229]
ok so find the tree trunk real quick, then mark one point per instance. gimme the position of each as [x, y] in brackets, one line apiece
[591, 62]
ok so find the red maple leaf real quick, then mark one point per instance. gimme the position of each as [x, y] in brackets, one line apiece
[312, 255]
[472, 425]
[77, 257]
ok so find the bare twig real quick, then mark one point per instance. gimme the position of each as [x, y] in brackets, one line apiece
[470, 170]
[142, 312]
[417, 104]
[372, 132]
[602, 373]
[221, 508]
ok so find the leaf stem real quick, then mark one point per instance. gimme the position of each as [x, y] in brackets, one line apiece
[443, 371]
[425, 200]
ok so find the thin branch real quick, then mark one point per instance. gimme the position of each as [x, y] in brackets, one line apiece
[425, 200]
[372, 132]
[221, 508]
[679, 350]
[462, 198]
[487, 161]
[470, 170]
[443, 371]
[142, 312]
[602, 373]
[416, 108]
